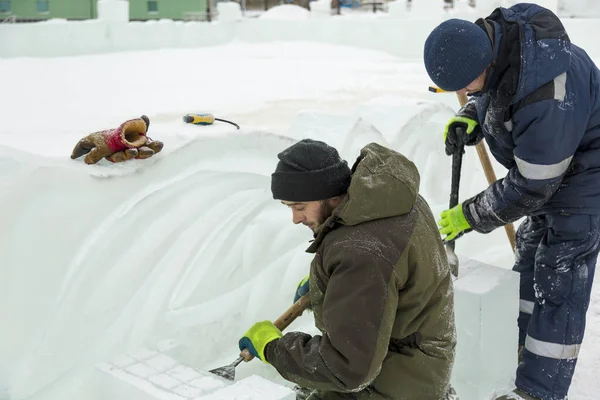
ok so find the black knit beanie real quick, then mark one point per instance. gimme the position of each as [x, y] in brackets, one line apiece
[309, 170]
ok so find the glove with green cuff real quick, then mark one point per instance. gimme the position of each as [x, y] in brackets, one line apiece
[462, 128]
[257, 338]
[453, 223]
[302, 289]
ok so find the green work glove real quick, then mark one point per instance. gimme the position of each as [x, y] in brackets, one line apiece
[453, 223]
[302, 289]
[257, 338]
[462, 128]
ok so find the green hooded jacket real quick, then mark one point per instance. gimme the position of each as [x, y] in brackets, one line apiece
[381, 292]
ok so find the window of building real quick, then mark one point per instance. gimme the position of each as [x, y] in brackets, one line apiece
[4, 6]
[43, 6]
[152, 6]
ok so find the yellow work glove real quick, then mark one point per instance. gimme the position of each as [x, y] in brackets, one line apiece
[463, 128]
[257, 338]
[453, 223]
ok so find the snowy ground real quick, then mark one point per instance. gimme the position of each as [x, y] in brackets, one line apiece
[187, 249]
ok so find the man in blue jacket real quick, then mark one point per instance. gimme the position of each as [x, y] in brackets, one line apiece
[535, 98]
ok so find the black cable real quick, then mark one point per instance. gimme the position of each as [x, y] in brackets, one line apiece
[229, 122]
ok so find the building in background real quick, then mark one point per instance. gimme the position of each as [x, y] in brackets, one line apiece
[35, 10]
[139, 10]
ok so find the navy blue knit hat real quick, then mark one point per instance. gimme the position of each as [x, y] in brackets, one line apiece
[456, 53]
[310, 170]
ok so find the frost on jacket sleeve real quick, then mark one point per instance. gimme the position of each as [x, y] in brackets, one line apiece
[546, 135]
[358, 314]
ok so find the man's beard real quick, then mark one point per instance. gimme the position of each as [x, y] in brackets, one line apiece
[325, 212]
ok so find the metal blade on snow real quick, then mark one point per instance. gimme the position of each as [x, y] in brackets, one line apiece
[281, 323]
[228, 371]
[452, 260]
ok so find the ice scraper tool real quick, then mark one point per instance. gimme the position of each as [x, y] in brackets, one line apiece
[205, 119]
[454, 190]
[296, 310]
[488, 170]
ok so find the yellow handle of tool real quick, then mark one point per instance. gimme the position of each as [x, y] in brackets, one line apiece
[436, 89]
[199, 119]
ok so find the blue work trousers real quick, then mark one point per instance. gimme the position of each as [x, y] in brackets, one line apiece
[556, 258]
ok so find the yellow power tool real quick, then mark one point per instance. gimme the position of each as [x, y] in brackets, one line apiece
[205, 119]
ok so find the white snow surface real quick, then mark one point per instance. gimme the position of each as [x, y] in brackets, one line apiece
[185, 250]
[286, 12]
[578, 8]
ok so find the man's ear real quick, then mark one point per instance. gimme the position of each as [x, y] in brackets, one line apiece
[335, 201]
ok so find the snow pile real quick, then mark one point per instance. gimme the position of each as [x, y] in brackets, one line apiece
[176, 247]
[97, 93]
[357, 29]
[579, 8]
[398, 9]
[320, 9]
[229, 11]
[286, 12]
[426, 9]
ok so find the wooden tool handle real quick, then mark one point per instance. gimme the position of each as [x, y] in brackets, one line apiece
[285, 320]
[490, 175]
[488, 170]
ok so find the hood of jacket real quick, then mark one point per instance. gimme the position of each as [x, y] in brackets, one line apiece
[384, 184]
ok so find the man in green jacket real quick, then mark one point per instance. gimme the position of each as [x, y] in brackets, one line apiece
[380, 285]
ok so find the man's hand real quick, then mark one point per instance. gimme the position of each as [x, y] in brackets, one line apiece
[453, 223]
[302, 289]
[462, 128]
[257, 338]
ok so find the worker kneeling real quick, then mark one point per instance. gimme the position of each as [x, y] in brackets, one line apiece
[380, 285]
